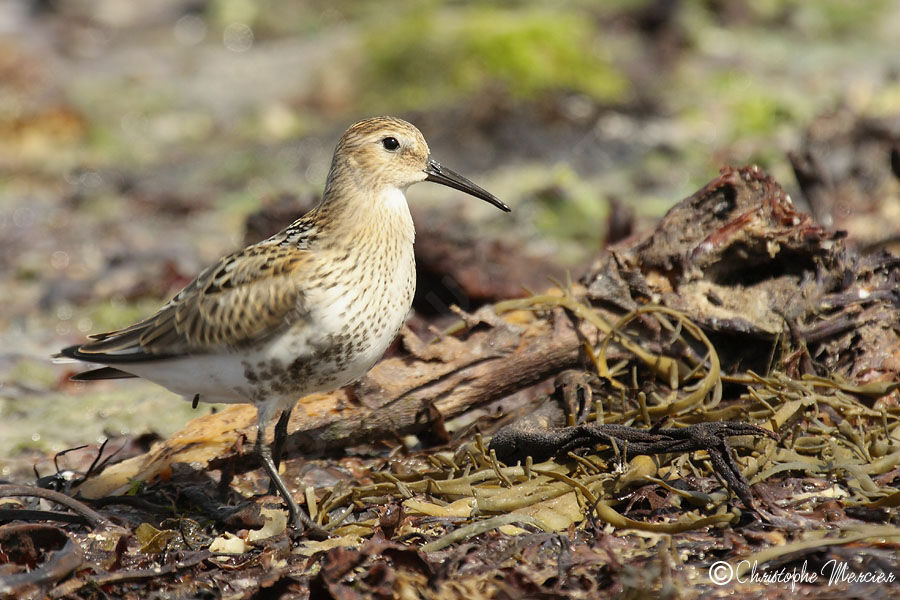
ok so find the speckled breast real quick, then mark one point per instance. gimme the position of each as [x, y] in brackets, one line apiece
[352, 321]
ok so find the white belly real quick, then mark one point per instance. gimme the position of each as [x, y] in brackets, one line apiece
[215, 377]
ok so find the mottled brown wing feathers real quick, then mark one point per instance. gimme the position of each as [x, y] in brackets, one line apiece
[242, 299]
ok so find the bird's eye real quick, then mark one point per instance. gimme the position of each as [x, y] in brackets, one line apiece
[390, 143]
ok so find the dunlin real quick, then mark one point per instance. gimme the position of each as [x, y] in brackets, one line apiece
[308, 310]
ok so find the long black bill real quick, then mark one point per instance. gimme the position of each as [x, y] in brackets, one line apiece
[438, 174]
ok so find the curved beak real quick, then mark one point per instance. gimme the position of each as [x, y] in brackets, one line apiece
[439, 174]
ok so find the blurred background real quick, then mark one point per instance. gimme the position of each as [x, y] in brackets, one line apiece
[140, 141]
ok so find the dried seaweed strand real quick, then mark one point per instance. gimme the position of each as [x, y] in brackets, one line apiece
[479, 527]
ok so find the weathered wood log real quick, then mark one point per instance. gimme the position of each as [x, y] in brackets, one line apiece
[400, 395]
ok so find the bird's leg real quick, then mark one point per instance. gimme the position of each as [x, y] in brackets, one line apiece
[278, 443]
[298, 517]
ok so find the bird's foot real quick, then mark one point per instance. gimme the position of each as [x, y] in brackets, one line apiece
[305, 529]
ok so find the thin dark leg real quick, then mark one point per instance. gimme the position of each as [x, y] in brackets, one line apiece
[298, 517]
[278, 443]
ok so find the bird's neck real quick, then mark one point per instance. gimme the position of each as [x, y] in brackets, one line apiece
[361, 213]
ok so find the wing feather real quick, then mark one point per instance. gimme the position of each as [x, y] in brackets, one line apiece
[243, 299]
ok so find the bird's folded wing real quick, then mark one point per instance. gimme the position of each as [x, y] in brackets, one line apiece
[243, 299]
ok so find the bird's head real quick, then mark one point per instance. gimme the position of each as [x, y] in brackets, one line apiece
[385, 152]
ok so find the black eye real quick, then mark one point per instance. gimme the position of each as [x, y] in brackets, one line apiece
[390, 143]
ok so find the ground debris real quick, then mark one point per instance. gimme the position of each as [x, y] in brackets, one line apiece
[741, 261]
[737, 315]
[848, 169]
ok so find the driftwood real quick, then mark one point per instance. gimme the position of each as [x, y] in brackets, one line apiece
[736, 258]
[743, 263]
[400, 395]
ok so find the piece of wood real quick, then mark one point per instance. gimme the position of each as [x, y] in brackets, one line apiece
[397, 397]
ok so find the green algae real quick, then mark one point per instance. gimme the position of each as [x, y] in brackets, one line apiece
[434, 56]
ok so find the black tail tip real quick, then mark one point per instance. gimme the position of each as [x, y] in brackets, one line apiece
[101, 373]
[69, 352]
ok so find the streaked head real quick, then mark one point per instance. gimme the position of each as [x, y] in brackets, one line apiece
[386, 152]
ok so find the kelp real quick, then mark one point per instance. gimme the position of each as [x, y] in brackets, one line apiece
[827, 428]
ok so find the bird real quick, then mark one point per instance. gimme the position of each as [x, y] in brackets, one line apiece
[310, 309]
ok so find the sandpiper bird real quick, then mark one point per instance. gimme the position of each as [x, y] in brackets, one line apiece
[308, 310]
